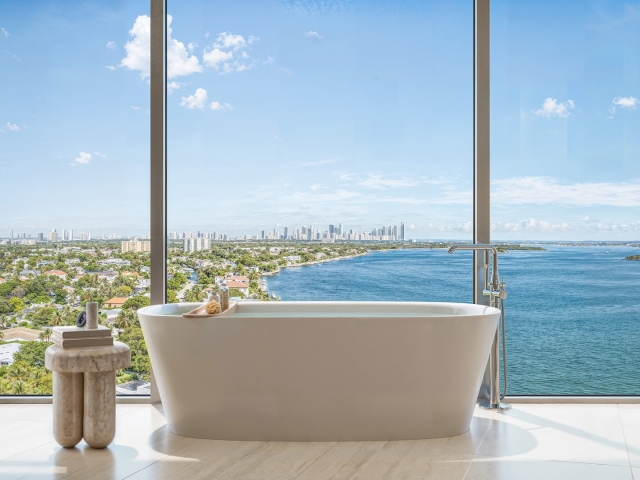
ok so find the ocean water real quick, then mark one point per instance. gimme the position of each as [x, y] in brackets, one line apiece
[572, 313]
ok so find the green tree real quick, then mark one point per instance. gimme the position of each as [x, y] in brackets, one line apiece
[172, 297]
[16, 304]
[123, 291]
[139, 355]
[137, 302]
[127, 318]
[234, 292]
[45, 334]
[31, 353]
[195, 294]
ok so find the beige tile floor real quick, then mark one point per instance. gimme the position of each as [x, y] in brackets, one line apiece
[528, 442]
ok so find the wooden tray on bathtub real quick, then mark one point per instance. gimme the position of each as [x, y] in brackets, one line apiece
[200, 312]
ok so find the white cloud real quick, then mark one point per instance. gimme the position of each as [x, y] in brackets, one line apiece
[552, 108]
[191, 46]
[135, 108]
[532, 226]
[110, 67]
[197, 100]
[626, 102]
[83, 159]
[312, 34]
[229, 53]
[216, 56]
[101, 155]
[111, 44]
[228, 40]
[547, 190]
[377, 181]
[219, 106]
[179, 61]
[172, 86]
[12, 127]
[4, 32]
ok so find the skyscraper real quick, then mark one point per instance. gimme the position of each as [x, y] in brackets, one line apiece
[286, 233]
[402, 237]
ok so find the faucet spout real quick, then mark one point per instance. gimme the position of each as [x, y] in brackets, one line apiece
[495, 282]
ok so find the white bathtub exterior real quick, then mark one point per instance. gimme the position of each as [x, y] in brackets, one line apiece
[293, 377]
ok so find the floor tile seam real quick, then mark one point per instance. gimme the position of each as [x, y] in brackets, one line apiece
[146, 466]
[486, 432]
[26, 420]
[242, 458]
[25, 451]
[624, 435]
[516, 458]
[318, 458]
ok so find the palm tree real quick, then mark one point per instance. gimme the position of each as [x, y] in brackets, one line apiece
[58, 318]
[18, 388]
[195, 294]
[126, 319]
[4, 386]
[36, 376]
[18, 372]
[41, 390]
[45, 335]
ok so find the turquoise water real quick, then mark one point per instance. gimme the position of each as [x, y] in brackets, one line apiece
[573, 313]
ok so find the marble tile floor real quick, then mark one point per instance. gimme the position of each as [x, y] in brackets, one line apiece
[532, 441]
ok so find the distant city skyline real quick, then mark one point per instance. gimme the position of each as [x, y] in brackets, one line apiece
[303, 113]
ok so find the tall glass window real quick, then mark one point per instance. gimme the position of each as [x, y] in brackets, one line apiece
[74, 156]
[565, 143]
[303, 133]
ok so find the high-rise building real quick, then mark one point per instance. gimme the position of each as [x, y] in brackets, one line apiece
[41, 237]
[286, 233]
[402, 237]
[196, 244]
[135, 246]
[53, 235]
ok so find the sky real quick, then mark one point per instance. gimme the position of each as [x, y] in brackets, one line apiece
[314, 113]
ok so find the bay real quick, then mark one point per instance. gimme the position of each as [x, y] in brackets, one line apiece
[572, 313]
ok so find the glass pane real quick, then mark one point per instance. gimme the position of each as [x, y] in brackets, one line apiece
[304, 133]
[565, 142]
[74, 130]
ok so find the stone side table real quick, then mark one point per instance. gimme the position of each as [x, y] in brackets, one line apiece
[84, 392]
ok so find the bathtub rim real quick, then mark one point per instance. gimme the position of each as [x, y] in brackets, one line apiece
[470, 310]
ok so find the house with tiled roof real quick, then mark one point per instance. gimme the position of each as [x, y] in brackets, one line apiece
[57, 273]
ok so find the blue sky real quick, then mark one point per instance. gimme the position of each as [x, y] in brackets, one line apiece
[298, 113]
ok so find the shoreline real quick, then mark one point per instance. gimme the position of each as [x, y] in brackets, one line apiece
[315, 262]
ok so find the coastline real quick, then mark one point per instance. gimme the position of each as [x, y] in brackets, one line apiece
[315, 262]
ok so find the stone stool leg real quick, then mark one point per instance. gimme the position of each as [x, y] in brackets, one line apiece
[99, 408]
[68, 396]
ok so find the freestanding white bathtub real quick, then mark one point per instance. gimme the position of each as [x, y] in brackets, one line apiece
[320, 371]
